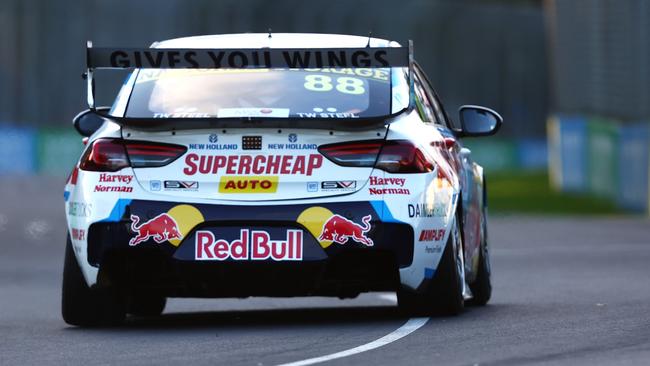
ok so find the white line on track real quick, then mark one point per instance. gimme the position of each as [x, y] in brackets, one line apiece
[409, 327]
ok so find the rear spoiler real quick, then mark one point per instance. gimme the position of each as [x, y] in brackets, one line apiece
[205, 58]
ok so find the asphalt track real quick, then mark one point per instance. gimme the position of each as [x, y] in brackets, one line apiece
[567, 291]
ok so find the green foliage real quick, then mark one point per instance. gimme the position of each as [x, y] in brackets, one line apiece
[530, 193]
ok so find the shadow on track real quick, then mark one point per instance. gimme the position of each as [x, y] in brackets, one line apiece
[271, 318]
[263, 318]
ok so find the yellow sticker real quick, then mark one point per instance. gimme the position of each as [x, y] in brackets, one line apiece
[243, 184]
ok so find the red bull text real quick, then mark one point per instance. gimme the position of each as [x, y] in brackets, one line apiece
[161, 228]
[251, 245]
[339, 229]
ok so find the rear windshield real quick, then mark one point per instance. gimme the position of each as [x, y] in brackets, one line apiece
[272, 93]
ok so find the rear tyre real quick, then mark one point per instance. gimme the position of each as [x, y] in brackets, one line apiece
[444, 294]
[146, 305]
[85, 306]
[482, 286]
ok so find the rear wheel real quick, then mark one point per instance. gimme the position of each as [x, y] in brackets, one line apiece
[482, 286]
[85, 306]
[444, 294]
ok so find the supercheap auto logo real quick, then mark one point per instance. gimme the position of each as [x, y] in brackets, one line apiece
[237, 184]
[252, 164]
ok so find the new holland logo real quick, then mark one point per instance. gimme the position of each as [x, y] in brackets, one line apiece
[254, 184]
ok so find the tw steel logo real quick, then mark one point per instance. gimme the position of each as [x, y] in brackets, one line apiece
[251, 245]
[339, 229]
[161, 228]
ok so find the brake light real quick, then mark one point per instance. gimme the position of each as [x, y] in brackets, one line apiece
[393, 156]
[110, 155]
[104, 155]
[357, 153]
[402, 156]
[151, 155]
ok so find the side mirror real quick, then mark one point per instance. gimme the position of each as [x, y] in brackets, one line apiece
[89, 121]
[479, 121]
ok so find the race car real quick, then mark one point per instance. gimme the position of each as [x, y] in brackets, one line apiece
[273, 165]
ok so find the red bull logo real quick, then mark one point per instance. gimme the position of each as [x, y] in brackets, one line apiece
[161, 228]
[339, 229]
[251, 245]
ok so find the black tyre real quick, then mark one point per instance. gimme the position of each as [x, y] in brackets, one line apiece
[85, 306]
[482, 285]
[444, 294]
[146, 305]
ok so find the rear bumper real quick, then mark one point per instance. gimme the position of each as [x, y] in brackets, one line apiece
[326, 267]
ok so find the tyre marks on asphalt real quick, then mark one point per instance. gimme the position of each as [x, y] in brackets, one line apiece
[409, 327]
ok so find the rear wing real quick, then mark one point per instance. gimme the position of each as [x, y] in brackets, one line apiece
[266, 58]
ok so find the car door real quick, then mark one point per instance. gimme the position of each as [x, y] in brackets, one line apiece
[468, 173]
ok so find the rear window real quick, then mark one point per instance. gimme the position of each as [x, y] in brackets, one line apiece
[273, 93]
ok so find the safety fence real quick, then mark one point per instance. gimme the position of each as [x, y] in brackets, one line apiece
[601, 156]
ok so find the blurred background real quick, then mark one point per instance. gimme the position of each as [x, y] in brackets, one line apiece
[570, 78]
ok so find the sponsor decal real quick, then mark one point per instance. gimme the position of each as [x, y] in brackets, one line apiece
[391, 182]
[181, 115]
[103, 188]
[251, 245]
[426, 210]
[376, 57]
[312, 186]
[161, 228]
[235, 184]
[78, 234]
[432, 250]
[329, 228]
[292, 146]
[252, 164]
[328, 115]
[253, 112]
[114, 178]
[432, 234]
[213, 146]
[213, 138]
[338, 229]
[177, 185]
[154, 185]
[293, 137]
[341, 185]
[80, 209]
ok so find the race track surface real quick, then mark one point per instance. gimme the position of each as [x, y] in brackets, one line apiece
[567, 291]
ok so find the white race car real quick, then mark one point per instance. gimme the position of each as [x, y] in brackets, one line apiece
[273, 165]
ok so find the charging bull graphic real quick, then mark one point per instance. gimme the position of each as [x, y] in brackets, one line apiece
[339, 229]
[160, 228]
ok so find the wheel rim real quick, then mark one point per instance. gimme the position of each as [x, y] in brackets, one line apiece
[486, 252]
[460, 262]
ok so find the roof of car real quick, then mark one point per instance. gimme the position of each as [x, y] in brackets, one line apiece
[276, 40]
